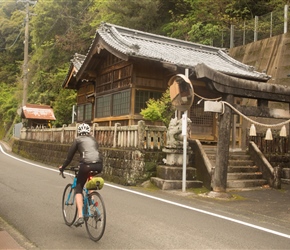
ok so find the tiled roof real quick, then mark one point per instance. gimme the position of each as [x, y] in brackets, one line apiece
[140, 44]
[75, 65]
[77, 61]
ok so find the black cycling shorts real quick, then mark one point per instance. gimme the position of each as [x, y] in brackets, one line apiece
[83, 174]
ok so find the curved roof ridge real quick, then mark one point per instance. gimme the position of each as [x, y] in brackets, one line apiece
[119, 37]
[78, 60]
[164, 39]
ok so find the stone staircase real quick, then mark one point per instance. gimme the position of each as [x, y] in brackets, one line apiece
[242, 172]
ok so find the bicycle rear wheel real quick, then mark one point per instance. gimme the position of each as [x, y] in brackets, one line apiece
[69, 208]
[95, 218]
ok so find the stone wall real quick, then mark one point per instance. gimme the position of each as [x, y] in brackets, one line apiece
[122, 166]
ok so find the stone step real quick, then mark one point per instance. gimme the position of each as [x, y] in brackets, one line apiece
[285, 181]
[239, 157]
[243, 176]
[243, 155]
[246, 183]
[234, 160]
[249, 188]
[242, 172]
[286, 173]
[243, 169]
[241, 163]
[168, 172]
[174, 184]
[237, 163]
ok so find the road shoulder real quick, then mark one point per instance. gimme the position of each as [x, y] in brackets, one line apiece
[10, 238]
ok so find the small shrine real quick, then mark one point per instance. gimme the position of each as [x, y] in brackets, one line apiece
[37, 116]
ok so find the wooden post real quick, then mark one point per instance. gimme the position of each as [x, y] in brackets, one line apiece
[222, 155]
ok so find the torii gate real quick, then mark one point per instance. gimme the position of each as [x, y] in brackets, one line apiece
[229, 87]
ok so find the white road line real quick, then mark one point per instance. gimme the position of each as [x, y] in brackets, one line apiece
[167, 201]
[27, 162]
[204, 212]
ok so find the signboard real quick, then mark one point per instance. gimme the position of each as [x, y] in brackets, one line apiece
[210, 106]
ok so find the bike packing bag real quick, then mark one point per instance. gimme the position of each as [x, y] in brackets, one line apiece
[95, 183]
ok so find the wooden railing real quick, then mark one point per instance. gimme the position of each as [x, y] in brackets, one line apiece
[279, 145]
[139, 136]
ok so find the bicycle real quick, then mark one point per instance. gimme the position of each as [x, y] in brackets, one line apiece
[94, 211]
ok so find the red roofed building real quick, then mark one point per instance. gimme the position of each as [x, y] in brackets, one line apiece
[37, 115]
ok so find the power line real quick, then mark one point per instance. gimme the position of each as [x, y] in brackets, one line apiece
[16, 39]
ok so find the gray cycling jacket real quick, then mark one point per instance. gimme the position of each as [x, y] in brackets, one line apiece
[88, 148]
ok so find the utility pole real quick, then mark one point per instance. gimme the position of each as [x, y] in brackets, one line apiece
[25, 62]
[26, 43]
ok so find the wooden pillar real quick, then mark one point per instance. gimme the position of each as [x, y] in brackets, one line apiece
[222, 155]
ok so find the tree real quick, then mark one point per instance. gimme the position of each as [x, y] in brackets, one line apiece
[11, 42]
[8, 107]
[159, 110]
[205, 20]
[11, 55]
[66, 31]
[59, 29]
[64, 102]
[142, 15]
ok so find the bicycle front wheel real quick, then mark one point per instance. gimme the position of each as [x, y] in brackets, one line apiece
[69, 208]
[95, 218]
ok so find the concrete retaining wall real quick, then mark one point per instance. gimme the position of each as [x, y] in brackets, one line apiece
[269, 55]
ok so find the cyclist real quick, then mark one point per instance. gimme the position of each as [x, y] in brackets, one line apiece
[90, 160]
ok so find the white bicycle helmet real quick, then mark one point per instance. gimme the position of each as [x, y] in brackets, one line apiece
[84, 129]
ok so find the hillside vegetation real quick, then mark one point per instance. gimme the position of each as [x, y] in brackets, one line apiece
[60, 28]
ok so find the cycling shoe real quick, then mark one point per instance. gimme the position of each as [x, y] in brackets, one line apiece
[79, 222]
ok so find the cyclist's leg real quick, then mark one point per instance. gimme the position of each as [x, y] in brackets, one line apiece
[81, 180]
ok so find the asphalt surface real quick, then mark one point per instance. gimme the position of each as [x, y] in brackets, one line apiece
[270, 205]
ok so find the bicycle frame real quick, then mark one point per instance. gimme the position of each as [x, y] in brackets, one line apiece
[85, 199]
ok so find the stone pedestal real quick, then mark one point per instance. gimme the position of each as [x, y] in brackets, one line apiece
[174, 156]
[169, 175]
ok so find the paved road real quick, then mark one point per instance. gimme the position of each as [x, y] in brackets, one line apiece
[30, 195]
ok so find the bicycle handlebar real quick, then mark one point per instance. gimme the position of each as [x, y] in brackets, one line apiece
[75, 169]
